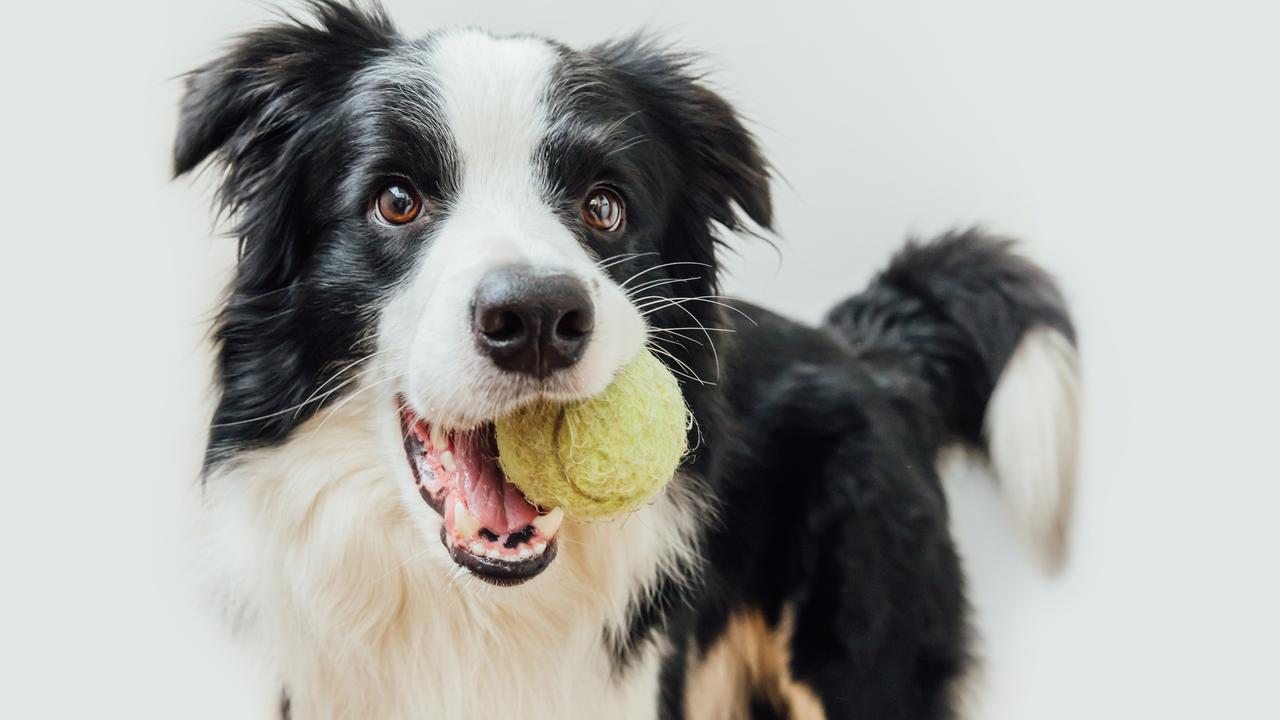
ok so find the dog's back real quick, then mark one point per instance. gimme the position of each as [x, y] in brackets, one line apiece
[836, 584]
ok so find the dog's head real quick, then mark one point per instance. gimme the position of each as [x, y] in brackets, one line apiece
[459, 224]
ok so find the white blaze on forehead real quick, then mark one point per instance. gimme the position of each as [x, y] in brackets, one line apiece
[493, 94]
[490, 97]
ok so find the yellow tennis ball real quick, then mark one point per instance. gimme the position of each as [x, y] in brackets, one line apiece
[601, 456]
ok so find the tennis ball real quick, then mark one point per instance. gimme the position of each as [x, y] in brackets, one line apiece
[601, 456]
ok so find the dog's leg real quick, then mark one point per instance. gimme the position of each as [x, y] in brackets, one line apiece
[879, 626]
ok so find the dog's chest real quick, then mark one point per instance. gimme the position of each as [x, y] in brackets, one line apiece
[417, 643]
[409, 644]
[359, 616]
[465, 672]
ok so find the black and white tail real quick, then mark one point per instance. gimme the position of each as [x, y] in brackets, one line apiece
[982, 336]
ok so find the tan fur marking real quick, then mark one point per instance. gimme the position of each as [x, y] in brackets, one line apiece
[750, 658]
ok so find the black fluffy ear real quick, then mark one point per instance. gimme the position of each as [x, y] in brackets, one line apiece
[263, 110]
[703, 128]
[271, 78]
[270, 112]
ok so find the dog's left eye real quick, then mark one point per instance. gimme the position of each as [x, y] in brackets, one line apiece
[398, 204]
[603, 209]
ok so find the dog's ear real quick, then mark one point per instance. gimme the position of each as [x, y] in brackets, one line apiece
[266, 113]
[271, 79]
[262, 111]
[705, 132]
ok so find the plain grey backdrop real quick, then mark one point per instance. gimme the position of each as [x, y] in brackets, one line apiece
[1131, 144]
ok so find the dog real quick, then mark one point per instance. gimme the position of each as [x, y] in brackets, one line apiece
[434, 232]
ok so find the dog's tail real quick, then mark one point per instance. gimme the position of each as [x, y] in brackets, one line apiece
[981, 338]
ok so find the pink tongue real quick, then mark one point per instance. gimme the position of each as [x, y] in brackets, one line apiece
[496, 503]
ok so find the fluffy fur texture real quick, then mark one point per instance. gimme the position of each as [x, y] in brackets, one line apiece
[574, 457]
[798, 565]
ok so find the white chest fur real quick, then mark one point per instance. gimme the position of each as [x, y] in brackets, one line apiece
[328, 560]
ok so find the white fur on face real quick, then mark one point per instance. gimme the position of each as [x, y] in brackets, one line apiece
[492, 94]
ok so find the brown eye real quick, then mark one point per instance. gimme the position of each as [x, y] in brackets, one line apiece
[603, 209]
[398, 204]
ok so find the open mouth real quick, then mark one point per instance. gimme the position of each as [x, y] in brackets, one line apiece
[490, 528]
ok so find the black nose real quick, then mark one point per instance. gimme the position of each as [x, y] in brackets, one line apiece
[532, 323]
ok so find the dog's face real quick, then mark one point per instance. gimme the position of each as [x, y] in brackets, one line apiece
[459, 225]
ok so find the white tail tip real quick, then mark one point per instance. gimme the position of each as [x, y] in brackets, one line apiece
[1032, 429]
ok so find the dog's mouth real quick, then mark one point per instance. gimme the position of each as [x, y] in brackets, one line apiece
[490, 528]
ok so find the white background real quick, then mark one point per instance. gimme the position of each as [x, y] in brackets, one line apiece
[1132, 144]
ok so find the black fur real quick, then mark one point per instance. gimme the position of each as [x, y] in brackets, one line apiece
[831, 502]
[816, 446]
[269, 110]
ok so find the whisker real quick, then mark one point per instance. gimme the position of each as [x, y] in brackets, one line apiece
[316, 396]
[714, 329]
[322, 398]
[667, 331]
[617, 259]
[345, 368]
[659, 267]
[291, 408]
[691, 374]
[676, 343]
[708, 299]
[681, 373]
[714, 354]
[353, 396]
[659, 283]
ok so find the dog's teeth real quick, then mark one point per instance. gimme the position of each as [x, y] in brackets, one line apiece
[494, 554]
[466, 523]
[548, 524]
[525, 553]
[539, 548]
[476, 548]
[446, 461]
[437, 438]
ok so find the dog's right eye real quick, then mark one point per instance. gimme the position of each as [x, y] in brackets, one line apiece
[398, 204]
[603, 209]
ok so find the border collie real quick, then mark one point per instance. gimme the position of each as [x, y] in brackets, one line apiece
[434, 231]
